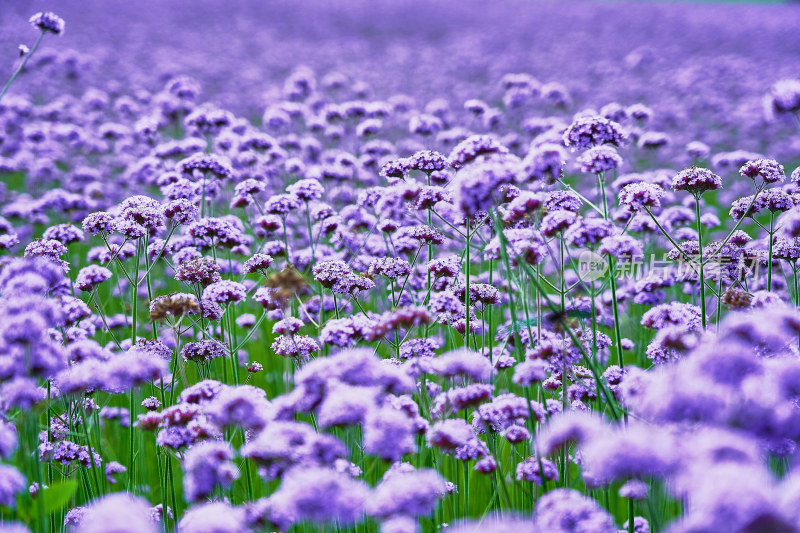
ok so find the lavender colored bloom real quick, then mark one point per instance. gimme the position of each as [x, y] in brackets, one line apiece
[389, 433]
[320, 495]
[638, 195]
[463, 362]
[530, 371]
[599, 159]
[91, 276]
[113, 468]
[427, 161]
[537, 470]
[569, 511]
[588, 232]
[206, 165]
[202, 271]
[64, 233]
[672, 314]
[769, 170]
[97, 223]
[563, 201]
[11, 483]
[450, 434]
[218, 517]
[48, 22]
[203, 351]
[390, 267]
[413, 493]
[306, 189]
[477, 185]
[206, 466]
[128, 513]
[696, 181]
[296, 346]
[621, 247]
[258, 263]
[593, 131]
[180, 211]
[225, 292]
[474, 146]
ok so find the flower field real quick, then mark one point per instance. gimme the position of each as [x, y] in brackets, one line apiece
[399, 267]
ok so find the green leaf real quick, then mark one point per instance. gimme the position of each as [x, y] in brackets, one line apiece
[576, 313]
[53, 499]
[522, 325]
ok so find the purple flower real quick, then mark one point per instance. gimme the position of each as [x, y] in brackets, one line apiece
[450, 434]
[389, 433]
[413, 493]
[769, 170]
[295, 346]
[306, 189]
[537, 469]
[319, 495]
[696, 180]
[206, 466]
[427, 161]
[463, 362]
[390, 267]
[91, 276]
[11, 483]
[48, 22]
[569, 511]
[203, 351]
[477, 186]
[180, 211]
[225, 292]
[599, 159]
[473, 147]
[129, 513]
[202, 271]
[218, 517]
[593, 131]
[638, 195]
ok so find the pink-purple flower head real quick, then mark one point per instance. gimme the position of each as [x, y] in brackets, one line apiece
[769, 170]
[474, 146]
[206, 165]
[306, 189]
[48, 22]
[592, 131]
[180, 211]
[783, 98]
[427, 161]
[463, 362]
[258, 263]
[203, 351]
[639, 195]
[621, 247]
[696, 180]
[225, 292]
[91, 276]
[599, 159]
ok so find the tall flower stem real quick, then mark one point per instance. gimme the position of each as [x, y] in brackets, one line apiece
[466, 288]
[511, 303]
[612, 278]
[769, 256]
[702, 263]
[21, 66]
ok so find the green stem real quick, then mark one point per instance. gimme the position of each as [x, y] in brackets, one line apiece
[702, 265]
[466, 289]
[22, 65]
[769, 257]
